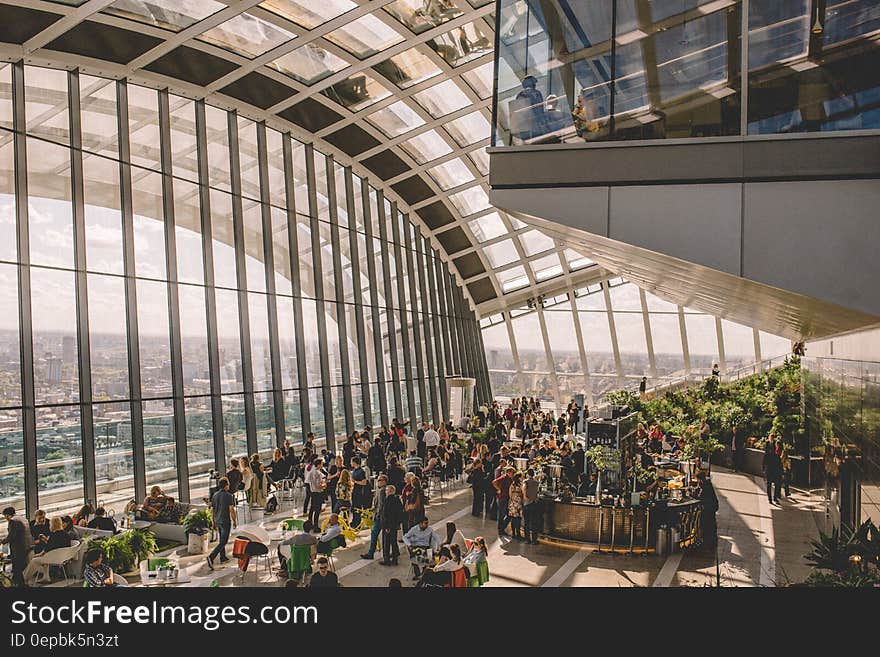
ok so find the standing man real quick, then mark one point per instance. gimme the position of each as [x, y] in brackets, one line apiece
[710, 508]
[360, 495]
[317, 482]
[643, 387]
[531, 507]
[378, 503]
[477, 481]
[21, 544]
[432, 438]
[392, 516]
[224, 517]
[502, 489]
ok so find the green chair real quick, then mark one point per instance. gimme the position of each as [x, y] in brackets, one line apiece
[154, 563]
[481, 576]
[300, 561]
[334, 543]
[290, 524]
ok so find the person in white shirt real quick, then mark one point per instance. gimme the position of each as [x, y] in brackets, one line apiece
[334, 530]
[432, 438]
[418, 539]
[317, 481]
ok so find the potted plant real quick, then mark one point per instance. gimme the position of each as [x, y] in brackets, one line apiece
[122, 552]
[197, 526]
[603, 459]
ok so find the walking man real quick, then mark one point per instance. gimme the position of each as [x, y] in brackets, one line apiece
[224, 517]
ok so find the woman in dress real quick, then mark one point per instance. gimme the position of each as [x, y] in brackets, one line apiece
[259, 483]
[415, 504]
[344, 488]
[515, 506]
[247, 476]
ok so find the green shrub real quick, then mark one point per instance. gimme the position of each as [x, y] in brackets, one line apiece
[123, 552]
[198, 522]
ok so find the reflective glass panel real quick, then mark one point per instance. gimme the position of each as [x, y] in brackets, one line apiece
[247, 35]
[451, 174]
[357, 92]
[365, 36]
[173, 15]
[307, 13]
[408, 68]
[442, 99]
[396, 119]
[309, 64]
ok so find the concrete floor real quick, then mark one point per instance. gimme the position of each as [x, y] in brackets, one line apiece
[759, 545]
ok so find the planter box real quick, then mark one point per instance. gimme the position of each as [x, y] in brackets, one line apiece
[197, 543]
[804, 478]
[752, 463]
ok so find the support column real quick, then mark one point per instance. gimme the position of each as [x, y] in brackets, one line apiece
[173, 300]
[131, 320]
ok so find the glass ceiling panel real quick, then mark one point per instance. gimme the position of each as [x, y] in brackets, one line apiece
[462, 45]
[480, 158]
[364, 37]
[512, 279]
[471, 200]
[422, 15]
[625, 298]
[576, 261]
[480, 79]
[395, 119]
[534, 242]
[656, 304]
[408, 68]
[308, 13]
[426, 147]
[468, 129]
[451, 174]
[247, 35]
[357, 92]
[488, 227]
[500, 254]
[173, 15]
[516, 223]
[442, 99]
[309, 64]
[546, 267]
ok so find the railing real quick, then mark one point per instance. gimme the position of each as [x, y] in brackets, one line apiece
[692, 379]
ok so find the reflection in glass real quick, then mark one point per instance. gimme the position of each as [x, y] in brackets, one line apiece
[462, 44]
[173, 15]
[426, 146]
[114, 460]
[50, 215]
[309, 64]
[103, 218]
[56, 353]
[98, 115]
[229, 339]
[153, 338]
[396, 119]
[59, 449]
[442, 99]
[451, 174]
[247, 35]
[357, 92]
[408, 68]
[307, 13]
[365, 36]
[194, 340]
[108, 337]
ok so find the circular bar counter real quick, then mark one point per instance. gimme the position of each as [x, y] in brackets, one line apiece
[629, 529]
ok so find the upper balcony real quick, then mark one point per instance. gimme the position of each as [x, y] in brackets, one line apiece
[587, 71]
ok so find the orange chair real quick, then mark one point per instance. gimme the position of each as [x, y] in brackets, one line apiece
[459, 579]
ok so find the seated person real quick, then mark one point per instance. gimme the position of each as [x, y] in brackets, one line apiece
[440, 574]
[413, 463]
[587, 485]
[418, 539]
[677, 447]
[324, 577]
[39, 526]
[333, 531]
[102, 522]
[57, 538]
[479, 552]
[302, 537]
[159, 507]
[97, 573]
[81, 517]
[455, 537]
[69, 527]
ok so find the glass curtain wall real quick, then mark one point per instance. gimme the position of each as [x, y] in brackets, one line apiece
[598, 70]
[608, 335]
[161, 290]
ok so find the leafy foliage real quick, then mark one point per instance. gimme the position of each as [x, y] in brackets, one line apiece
[599, 456]
[846, 557]
[122, 552]
[198, 522]
[753, 406]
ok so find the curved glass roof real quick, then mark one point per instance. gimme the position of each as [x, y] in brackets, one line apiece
[402, 88]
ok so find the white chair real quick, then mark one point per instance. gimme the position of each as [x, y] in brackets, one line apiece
[58, 557]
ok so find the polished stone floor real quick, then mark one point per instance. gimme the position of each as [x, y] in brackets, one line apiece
[759, 545]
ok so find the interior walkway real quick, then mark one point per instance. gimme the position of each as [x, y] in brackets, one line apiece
[759, 545]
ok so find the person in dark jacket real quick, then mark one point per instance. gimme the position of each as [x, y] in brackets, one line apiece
[234, 476]
[376, 458]
[710, 508]
[392, 514]
[102, 522]
[21, 543]
[772, 466]
[39, 525]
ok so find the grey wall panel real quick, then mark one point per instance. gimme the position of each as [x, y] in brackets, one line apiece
[697, 223]
[817, 238]
[585, 208]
